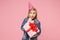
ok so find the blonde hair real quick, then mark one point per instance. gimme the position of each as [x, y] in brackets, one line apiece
[34, 10]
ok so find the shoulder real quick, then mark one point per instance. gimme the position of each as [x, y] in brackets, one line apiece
[37, 21]
[25, 19]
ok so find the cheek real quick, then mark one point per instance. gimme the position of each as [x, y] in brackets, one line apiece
[34, 15]
[30, 14]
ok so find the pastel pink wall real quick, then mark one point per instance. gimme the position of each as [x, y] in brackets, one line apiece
[12, 13]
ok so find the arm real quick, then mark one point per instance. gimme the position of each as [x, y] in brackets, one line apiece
[24, 21]
[38, 24]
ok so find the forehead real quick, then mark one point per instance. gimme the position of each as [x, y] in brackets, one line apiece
[33, 10]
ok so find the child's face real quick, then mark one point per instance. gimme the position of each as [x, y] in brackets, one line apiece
[32, 14]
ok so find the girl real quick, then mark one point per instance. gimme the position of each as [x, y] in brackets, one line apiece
[32, 15]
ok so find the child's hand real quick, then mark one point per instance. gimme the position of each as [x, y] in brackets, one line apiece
[30, 20]
[35, 35]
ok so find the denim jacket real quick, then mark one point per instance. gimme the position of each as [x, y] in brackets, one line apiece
[25, 36]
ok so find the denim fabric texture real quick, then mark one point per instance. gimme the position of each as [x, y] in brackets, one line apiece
[25, 35]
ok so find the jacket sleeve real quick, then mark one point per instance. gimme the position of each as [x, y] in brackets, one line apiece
[39, 27]
[24, 21]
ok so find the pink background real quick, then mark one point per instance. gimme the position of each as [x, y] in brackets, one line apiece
[12, 13]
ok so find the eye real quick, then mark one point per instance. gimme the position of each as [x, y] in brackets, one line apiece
[34, 13]
[30, 12]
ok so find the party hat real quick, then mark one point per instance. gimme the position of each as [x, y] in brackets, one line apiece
[30, 6]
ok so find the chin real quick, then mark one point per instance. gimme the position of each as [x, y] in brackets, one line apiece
[32, 18]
